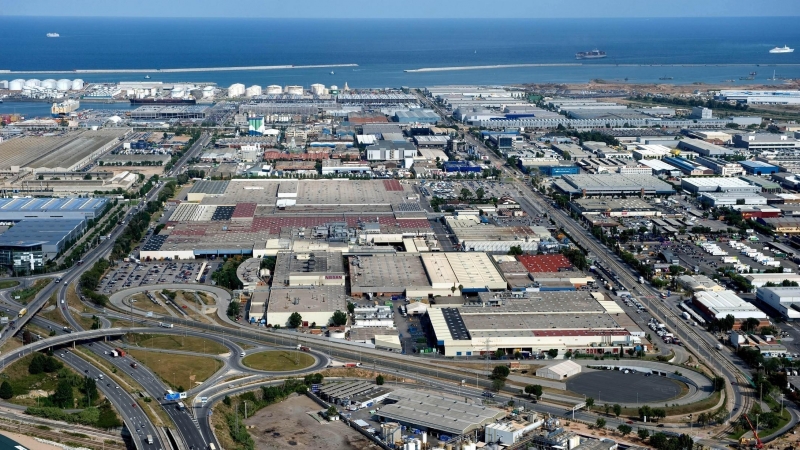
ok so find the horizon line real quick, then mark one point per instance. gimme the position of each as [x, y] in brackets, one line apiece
[389, 18]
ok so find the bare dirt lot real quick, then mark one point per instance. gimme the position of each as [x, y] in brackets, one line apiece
[287, 425]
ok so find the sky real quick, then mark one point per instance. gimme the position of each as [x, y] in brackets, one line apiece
[415, 9]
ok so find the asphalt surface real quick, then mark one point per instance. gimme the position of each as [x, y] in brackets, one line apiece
[613, 386]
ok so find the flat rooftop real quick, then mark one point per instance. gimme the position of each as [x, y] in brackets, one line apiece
[613, 183]
[306, 299]
[386, 273]
[51, 205]
[603, 204]
[39, 231]
[544, 263]
[61, 150]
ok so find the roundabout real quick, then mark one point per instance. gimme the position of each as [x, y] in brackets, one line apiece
[278, 361]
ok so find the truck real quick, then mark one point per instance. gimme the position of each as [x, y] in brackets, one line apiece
[150, 439]
[181, 406]
[114, 353]
[641, 279]
[303, 348]
[120, 351]
[686, 315]
[165, 325]
[719, 346]
[352, 364]
[749, 231]
[23, 311]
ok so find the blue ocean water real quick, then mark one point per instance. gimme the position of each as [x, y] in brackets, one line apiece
[641, 50]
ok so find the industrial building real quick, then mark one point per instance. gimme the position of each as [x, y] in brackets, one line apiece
[27, 246]
[760, 279]
[156, 112]
[17, 209]
[761, 142]
[473, 235]
[612, 184]
[454, 167]
[718, 304]
[390, 151]
[63, 152]
[315, 304]
[436, 413]
[704, 148]
[760, 97]
[718, 184]
[785, 300]
[720, 166]
[623, 207]
[416, 116]
[660, 167]
[734, 199]
[559, 170]
[689, 168]
[533, 322]
[696, 283]
[758, 168]
[559, 371]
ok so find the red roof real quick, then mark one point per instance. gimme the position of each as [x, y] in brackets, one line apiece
[544, 263]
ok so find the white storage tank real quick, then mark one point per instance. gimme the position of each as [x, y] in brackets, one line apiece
[253, 91]
[294, 90]
[63, 84]
[33, 82]
[209, 91]
[236, 90]
[77, 84]
[3, 84]
[317, 89]
[274, 89]
[49, 83]
[16, 85]
[178, 93]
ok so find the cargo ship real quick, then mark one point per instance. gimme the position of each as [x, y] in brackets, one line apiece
[593, 54]
[163, 101]
[53, 35]
[64, 108]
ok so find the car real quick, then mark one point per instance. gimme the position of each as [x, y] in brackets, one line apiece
[629, 422]
[86, 371]
[661, 425]
[133, 405]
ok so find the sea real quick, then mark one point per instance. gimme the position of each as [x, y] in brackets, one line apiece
[658, 50]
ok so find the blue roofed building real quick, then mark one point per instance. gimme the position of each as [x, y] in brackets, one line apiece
[557, 171]
[758, 168]
[461, 167]
[28, 245]
[687, 167]
[16, 209]
[416, 116]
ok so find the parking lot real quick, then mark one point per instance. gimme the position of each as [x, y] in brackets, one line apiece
[134, 274]
[451, 189]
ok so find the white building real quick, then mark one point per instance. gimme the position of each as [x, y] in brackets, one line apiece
[760, 279]
[236, 90]
[785, 300]
[559, 371]
[719, 304]
[508, 433]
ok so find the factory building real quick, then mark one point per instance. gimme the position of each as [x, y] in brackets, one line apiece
[717, 305]
[454, 167]
[660, 167]
[719, 199]
[560, 170]
[760, 142]
[472, 235]
[760, 97]
[718, 184]
[758, 168]
[156, 112]
[626, 207]
[16, 209]
[416, 116]
[720, 166]
[390, 151]
[612, 184]
[27, 246]
[690, 168]
[533, 323]
[785, 300]
[704, 148]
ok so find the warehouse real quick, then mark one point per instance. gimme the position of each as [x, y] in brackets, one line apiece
[532, 322]
[612, 184]
[765, 185]
[660, 167]
[717, 184]
[416, 116]
[315, 304]
[27, 246]
[472, 235]
[436, 413]
[16, 209]
[717, 305]
[719, 199]
[454, 167]
[390, 151]
[704, 148]
[58, 152]
[559, 371]
[559, 170]
[696, 283]
[758, 168]
[785, 300]
[760, 279]
[720, 166]
[687, 167]
[156, 112]
[309, 269]
[761, 142]
[626, 207]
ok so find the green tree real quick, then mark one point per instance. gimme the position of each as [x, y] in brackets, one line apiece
[332, 412]
[108, 418]
[62, 397]
[36, 366]
[606, 408]
[234, 308]
[379, 380]
[498, 384]
[89, 388]
[515, 250]
[601, 423]
[339, 318]
[566, 156]
[466, 194]
[480, 193]
[589, 403]
[51, 364]
[624, 429]
[552, 353]
[643, 433]
[351, 307]
[501, 372]
[6, 392]
[534, 390]
[617, 409]
[295, 320]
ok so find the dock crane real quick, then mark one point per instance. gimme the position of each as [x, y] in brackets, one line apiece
[759, 444]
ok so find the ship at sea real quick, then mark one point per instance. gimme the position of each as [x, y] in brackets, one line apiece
[784, 49]
[593, 54]
[163, 101]
[64, 108]
[53, 35]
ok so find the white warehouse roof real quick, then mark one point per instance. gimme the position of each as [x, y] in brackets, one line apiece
[720, 304]
[560, 371]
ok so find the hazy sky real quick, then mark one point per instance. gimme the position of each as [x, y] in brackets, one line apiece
[402, 8]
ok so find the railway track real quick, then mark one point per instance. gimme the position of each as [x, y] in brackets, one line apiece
[45, 432]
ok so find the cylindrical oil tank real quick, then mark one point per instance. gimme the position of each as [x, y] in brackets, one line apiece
[208, 91]
[16, 85]
[317, 89]
[236, 90]
[294, 90]
[77, 84]
[196, 93]
[274, 89]
[178, 93]
[33, 82]
[3, 84]
[63, 84]
[252, 91]
[49, 83]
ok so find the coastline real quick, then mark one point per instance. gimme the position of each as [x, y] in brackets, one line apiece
[181, 70]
